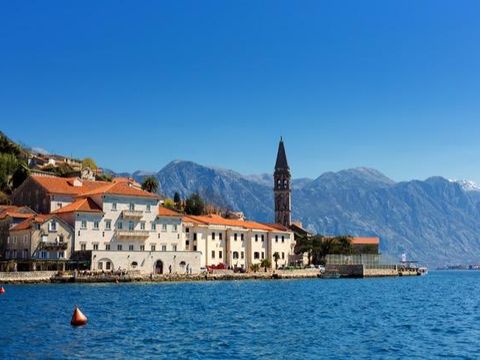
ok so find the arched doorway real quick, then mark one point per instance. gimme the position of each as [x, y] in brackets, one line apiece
[158, 267]
[105, 264]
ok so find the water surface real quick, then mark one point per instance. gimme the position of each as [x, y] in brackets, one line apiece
[420, 317]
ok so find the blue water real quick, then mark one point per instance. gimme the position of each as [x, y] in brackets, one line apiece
[421, 317]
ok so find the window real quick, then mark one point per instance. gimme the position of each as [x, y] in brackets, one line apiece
[283, 255]
[142, 226]
[175, 228]
[194, 236]
[100, 266]
[256, 255]
[242, 255]
[59, 205]
[120, 225]
[263, 255]
[235, 255]
[61, 238]
[241, 237]
[164, 227]
[83, 224]
[220, 236]
[134, 264]
[220, 255]
[235, 236]
[61, 254]
[142, 247]
[158, 236]
[37, 226]
[187, 230]
[256, 237]
[148, 207]
[43, 254]
[154, 226]
[52, 225]
[108, 265]
[263, 237]
[95, 246]
[187, 243]
[114, 206]
[174, 247]
[119, 247]
[131, 207]
[95, 225]
[213, 236]
[83, 247]
[194, 247]
[44, 238]
[130, 247]
[276, 238]
[152, 247]
[108, 224]
[283, 239]
[164, 247]
[213, 254]
[107, 247]
[131, 226]
[78, 232]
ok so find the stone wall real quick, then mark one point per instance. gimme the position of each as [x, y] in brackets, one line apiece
[26, 276]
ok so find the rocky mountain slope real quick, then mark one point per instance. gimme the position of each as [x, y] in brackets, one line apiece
[436, 221]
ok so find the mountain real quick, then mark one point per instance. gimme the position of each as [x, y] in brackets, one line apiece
[436, 221]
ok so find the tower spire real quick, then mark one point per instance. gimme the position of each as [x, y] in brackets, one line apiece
[281, 187]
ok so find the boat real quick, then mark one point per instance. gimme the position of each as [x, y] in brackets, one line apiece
[422, 270]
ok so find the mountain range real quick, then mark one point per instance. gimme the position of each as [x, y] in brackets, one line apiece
[435, 221]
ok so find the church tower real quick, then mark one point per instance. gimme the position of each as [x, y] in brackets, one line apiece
[281, 189]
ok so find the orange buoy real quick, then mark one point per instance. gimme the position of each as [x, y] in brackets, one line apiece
[78, 318]
[2, 290]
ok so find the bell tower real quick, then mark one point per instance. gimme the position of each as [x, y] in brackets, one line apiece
[281, 188]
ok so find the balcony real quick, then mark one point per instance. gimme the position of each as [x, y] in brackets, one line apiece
[132, 234]
[132, 214]
[52, 245]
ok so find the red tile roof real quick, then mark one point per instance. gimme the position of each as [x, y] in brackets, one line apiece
[65, 186]
[218, 220]
[80, 205]
[15, 212]
[357, 240]
[163, 211]
[27, 224]
[120, 188]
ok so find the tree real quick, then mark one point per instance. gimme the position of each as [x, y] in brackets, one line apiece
[266, 263]
[276, 257]
[168, 203]
[90, 163]
[150, 184]
[20, 175]
[104, 177]
[8, 165]
[255, 267]
[194, 205]
[176, 198]
[304, 244]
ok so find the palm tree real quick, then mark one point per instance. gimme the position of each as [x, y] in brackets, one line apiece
[150, 184]
[266, 263]
[255, 267]
[276, 257]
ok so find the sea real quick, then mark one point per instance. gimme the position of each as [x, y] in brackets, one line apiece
[428, 317]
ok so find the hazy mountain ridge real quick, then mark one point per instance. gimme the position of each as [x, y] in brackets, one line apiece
[435, 220]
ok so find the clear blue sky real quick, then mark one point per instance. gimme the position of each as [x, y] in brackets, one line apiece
[393, 85]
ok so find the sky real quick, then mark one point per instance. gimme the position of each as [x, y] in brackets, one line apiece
[392, 85]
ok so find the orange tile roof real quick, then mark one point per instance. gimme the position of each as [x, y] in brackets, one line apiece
[218, 220]
[27, 224]
[163, 211]
[80, 205]
[357, 240]
[120, 188]
[15, 212]
[64, 186]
